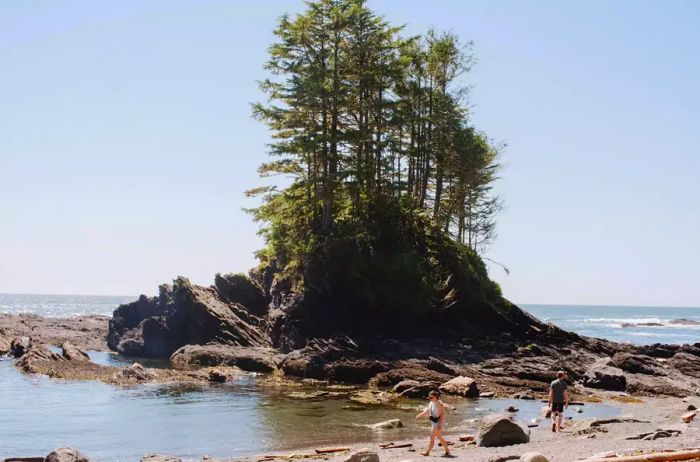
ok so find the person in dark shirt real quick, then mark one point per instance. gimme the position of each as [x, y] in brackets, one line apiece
[558, 400]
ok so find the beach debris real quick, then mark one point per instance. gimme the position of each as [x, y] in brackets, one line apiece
[512, 409]
[331, 450]
[691, 407]
[599, 422]
[467, 438]
[689, 416]
[533, 457]
[503, 458]
[655, 435]
[363, 455]
[66, 455]
[501, 430]
[461, 386]
[386, 425]
[159, 458]
[393, 445]
[535, 422]
[604, 455]
[651, 457]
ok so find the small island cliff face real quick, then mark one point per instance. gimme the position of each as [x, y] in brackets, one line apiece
[251, 322]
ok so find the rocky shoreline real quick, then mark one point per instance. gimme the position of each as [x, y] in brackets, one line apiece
[253, 326]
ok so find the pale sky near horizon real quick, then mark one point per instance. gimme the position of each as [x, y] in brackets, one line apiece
[126, 141]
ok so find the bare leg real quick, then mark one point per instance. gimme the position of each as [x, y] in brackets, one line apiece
[438, 433]
[561, 415]
[431, 444]
[554, 421]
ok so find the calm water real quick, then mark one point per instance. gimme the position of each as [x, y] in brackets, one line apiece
[109, 423]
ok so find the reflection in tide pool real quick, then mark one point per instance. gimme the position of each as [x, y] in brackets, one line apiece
[109, 423]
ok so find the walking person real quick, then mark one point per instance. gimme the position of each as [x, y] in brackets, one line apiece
[436, 413]
[558, 400]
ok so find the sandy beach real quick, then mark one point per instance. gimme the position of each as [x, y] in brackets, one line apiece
[579, 439]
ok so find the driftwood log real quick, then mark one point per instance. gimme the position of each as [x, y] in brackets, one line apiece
[654, 457]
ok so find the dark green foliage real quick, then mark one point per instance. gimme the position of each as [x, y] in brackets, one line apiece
[390, 196]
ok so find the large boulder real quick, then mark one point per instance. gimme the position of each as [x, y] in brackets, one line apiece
[638, 364]
[354, 370]
[462, 386]
[605, 375]
[363, 455]
[252, 359]
[184, 314]
[501, 430]
[405, 385]
[66, 455]
[419, 391]
[686, 363]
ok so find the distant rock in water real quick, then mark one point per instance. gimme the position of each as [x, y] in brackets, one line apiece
[685, 322]
[641, 324]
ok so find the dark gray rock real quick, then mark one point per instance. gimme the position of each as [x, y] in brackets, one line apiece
[605, 375]
[462, 386]
[251, 359]
[184, 314]
[240, 289]
[501, 430]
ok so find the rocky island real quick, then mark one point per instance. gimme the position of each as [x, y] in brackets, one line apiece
[373, 271]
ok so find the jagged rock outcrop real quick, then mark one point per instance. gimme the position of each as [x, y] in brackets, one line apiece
[36, 353]
[182, 314]
[259, 323]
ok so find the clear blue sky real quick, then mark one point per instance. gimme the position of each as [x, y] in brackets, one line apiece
[126, 141]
